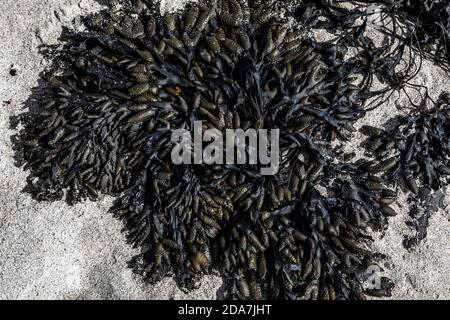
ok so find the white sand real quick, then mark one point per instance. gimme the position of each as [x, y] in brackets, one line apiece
[53, 251]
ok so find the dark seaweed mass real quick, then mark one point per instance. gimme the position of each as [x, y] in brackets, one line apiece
[116, 92]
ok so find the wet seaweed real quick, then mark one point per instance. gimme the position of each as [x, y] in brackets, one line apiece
[416, 151]
[422, 209]
[413, 153]
[117, 90]
[422, 25]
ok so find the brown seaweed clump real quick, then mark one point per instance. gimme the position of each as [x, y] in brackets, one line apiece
[118, 90]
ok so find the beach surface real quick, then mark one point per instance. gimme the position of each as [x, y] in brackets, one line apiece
[55, 251]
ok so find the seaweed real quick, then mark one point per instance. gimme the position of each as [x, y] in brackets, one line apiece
[117, 91]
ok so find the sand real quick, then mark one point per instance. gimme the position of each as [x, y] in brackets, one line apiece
[54, 251]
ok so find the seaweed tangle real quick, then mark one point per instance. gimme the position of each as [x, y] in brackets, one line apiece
[422, 25]
[116, 92]
[422, 209]
[414, 153]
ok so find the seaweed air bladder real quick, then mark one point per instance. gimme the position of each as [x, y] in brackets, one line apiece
[118, 91]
